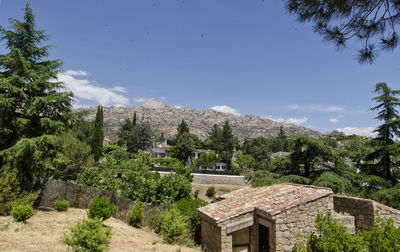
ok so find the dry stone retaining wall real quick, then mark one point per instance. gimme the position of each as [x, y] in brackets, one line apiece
[215, 179]
[79, 196]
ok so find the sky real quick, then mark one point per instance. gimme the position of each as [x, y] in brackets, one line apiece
[235, 56]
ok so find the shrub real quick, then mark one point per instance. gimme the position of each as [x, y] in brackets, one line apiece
[101, 208]
[22, 212]
[136, 215]
[383, 236]
[25, 198]
[210, 192]
[155, 220]
[88, 235]
[61, 205]
[196, 194]
[175, 227]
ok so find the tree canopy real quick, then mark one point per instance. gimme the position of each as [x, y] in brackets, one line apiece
[373, 22]
[32, 102]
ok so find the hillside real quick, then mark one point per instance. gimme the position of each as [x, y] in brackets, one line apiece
[43, 232]
[166, 119]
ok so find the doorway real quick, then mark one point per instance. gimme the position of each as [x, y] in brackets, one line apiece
[263, 238]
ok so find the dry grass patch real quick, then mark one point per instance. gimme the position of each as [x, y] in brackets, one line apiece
[219, 189]
[44, 230]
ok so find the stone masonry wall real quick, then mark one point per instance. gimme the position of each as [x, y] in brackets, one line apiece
[215, 179]
[294, 222]
[386, 213]
[361, 209]
[79, 196]
[210, 235]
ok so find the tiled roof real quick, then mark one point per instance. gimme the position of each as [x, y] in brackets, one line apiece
[270, 199]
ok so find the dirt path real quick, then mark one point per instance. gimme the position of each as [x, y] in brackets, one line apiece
[44, 230]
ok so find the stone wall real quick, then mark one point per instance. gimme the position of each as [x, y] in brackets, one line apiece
[215, 179]
[386, 213]
[210, 235]
[362, 210]
[291, 224]
[79, 196]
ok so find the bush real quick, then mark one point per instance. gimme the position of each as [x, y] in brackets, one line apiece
[25, 198]
[22, 212]
[61, 205]
[88, 235]
[101, 208]
[196, 194]
[175, 227]
[210, 192]
[155, 220]
[383, 236]
[136, 215]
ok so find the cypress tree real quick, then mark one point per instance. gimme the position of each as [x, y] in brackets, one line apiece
[182, 128]
[134, 120]
[31, 103]
[98, 134]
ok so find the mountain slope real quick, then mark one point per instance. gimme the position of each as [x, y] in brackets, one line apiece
[166, 119]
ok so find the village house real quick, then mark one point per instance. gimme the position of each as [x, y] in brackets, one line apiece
[274, 218]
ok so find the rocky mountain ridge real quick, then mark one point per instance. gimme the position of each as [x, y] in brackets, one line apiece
[165, 119]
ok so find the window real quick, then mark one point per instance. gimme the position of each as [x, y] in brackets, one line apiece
[241, 240]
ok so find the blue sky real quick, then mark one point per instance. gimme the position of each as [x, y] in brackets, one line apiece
[239, 56]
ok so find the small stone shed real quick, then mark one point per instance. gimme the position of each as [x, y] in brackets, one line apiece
[263, 219]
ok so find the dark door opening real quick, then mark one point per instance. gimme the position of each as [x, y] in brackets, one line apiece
[263, 238]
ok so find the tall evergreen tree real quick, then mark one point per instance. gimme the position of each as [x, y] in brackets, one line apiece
[182, 128]
[141, 137]
[388, 102]
[31, 100]
[227, 138]
[282, 134]
[98, 134]
[215, 139]
[134, 119]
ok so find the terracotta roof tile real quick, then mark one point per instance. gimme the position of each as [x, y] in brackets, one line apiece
[270, 199]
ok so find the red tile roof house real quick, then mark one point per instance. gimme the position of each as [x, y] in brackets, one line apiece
[274, 218]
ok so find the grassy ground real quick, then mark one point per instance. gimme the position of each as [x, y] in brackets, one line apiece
[219, 188]
[44, 230]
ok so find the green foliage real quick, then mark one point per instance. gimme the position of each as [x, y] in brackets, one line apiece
[295, 179]
[22, 212]
[24, 198]
[215, 139]
[98, 134]
[116, 152]
[124, 130]
[262, 178]
[88, 235]
[258, 148]
[61, 205]
[188, 208]
[196, 194]
[135, 216]
[383, 237]
[175, 227]
[140, 137]
[182, 128]
[101, 208]
[244, 161]
[337, 183]
[332, 236]
[236, 169]
[133, 180]
[388, 151]
[184, 147]
[206, 159]
[280, 165]
[155, 219]
[389, 197]
[31, 102]
[210, 192]
[167, 162]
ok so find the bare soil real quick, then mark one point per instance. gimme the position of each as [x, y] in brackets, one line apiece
[220, 189]
[43, 232]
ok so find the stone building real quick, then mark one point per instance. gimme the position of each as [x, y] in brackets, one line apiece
[274, 218]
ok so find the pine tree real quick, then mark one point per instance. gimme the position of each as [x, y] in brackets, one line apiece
[390, 129]
[134, 120]
[215, 139]
[98, 134]
[182, 128]
[31, 103]
[282, 134]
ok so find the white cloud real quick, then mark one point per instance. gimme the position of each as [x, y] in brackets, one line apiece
[178, 107]
[297, 120]
[273, 118]
[75, 73]
[317, 107]
[225, 109]
[119, 89]
[85, 89]
[289, 120]
[334, 120]
[163, 98]
[142, 99]
[367, 131]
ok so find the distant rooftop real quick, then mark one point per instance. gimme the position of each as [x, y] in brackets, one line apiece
[270, 199]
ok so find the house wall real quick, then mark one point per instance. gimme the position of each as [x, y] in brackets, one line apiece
[210, 235]
[292, 223]
[361, 209]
